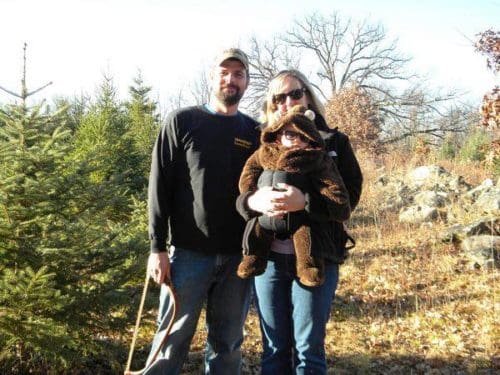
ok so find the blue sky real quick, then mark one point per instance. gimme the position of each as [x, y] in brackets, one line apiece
[74, 42]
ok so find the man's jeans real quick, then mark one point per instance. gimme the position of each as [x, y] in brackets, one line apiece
[293, 317]
[198, 278]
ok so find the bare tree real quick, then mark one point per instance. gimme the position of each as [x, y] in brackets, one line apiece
[173, 102]
[348, 52]
[426, 115]
[267, 58]
[362, 54]
[200, 88]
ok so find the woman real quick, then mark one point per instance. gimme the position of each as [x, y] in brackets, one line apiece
[293, 317]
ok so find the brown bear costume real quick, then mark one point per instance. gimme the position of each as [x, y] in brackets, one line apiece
[312, 171]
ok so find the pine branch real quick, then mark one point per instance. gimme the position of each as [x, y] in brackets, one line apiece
[24, 90]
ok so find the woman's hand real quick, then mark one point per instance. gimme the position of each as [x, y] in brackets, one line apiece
[275, 203]
[263, 200]
[292, 199]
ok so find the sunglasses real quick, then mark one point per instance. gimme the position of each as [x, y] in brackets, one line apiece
[291, 135]
[294, 94]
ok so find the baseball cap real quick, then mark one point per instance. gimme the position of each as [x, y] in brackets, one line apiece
[233, 53]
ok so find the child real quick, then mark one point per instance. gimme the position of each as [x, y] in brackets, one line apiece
[292, 152]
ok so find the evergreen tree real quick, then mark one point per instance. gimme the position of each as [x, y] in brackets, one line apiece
[144, 122]
[66, 253]
[75, 108]
[31, 146]
[101, 140]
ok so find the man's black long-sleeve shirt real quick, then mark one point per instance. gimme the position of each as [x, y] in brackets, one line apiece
[193, 185]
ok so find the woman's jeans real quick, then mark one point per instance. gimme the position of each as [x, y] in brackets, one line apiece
[293, 317]
[200, 279]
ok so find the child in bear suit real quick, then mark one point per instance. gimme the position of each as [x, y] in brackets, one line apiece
[292, 152]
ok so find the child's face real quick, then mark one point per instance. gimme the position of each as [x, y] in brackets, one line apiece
[288, 137]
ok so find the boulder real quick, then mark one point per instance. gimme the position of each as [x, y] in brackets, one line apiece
[489, 201]
[418, 214]
[431, 198]
[426, 175]
[483, 250]
[458, 185]
[474, 193]
[458, 232]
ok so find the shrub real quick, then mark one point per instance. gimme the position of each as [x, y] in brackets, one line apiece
[475, 146]
[352, 112]
[448, 149]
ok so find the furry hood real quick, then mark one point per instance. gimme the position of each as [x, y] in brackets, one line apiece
[273, 155]
[298, 118]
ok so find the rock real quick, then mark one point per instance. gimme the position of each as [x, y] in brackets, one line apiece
[486, 185]
[453, 234]
[458, 232]
[457, 184]
[487, 225]
[418, 214]
[489, 201]
[426, 175]
[431, 198]
[429, 192]
[382, 180]
[483, 250]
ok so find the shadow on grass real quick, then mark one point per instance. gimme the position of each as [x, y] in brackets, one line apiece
[367, 364]
[359, 363]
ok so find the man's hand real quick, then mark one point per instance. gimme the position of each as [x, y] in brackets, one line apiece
[159, 267]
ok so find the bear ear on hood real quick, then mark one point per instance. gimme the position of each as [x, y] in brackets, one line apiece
[302, 120]
[310, 114]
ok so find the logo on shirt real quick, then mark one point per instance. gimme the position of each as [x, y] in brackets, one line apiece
[242, 143]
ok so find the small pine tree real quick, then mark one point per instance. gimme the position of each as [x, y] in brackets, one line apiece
[143, 122]
[31, 147]
[101, 141]
[448, 149]
[475, 146]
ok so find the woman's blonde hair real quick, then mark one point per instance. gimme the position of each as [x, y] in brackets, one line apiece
[275, 88]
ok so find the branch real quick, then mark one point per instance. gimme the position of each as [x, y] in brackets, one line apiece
[11, 93]
[39, 89]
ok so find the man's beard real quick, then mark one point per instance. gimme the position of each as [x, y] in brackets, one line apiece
[228, 98]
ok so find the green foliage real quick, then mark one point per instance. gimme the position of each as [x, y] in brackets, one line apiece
[475, 146]
[447, 150]
[30, 324]
[143, 122]
[74, 109]
[101, 140]
[492, 159]
[70, 238]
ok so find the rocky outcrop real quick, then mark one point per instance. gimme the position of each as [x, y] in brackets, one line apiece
[428, 190]
[430, 193]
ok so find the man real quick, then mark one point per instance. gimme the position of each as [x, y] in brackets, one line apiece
[194, 228]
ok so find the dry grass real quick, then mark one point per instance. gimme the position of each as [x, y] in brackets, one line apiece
[406, 303]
